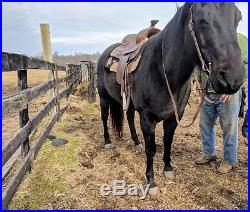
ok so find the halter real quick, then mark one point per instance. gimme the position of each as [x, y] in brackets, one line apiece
[206, 69]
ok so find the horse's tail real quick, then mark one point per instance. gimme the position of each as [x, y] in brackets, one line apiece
[117, 117]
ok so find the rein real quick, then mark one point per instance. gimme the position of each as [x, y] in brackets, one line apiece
[204, 68]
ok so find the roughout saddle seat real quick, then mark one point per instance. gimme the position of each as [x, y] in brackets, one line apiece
[128, 45]
[127, 55]
[132, 42]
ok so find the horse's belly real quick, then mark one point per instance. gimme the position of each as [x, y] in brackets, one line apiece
[112, 87]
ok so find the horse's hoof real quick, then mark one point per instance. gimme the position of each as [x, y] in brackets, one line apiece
[139, 148]
[109, 146]
[169, 175]
[153, 192]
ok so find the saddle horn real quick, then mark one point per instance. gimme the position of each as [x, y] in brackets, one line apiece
[154, 22]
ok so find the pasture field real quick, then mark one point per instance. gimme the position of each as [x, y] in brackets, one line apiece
[9, 87]
[70, 176]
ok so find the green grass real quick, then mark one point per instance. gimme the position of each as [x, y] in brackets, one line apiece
[49, 170]
[243, 42]
[53, 165]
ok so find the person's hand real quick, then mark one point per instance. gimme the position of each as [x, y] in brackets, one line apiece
[225, 97]
[197, 89]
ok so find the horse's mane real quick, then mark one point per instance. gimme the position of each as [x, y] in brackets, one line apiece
[179, 15]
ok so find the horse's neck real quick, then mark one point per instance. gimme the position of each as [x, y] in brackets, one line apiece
[179, 57]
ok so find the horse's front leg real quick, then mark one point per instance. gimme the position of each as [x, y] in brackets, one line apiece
[148, 130]
[131, 123]
[169, 127]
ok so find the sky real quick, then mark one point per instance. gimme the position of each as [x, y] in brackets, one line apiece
[83, 27]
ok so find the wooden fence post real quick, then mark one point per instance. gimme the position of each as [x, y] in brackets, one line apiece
[76, 79]
[19, 102]
[56, 89]
[80, 75]
[24, 114]
[69, 71]
[84, 68]
[91, 85]
[47, 56]
[82, 71]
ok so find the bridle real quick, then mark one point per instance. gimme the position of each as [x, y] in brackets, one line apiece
[206, 69]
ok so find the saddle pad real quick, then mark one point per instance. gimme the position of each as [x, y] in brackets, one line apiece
[112, 64]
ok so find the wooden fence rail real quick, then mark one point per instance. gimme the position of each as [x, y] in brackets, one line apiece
[19, 103]
[13, 62]
[11, 188]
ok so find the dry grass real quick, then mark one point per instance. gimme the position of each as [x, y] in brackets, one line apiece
[10, 124]
[69, 177]
[35, 77]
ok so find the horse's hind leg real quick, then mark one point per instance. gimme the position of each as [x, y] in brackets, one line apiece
[104, 103]
[131, 123]
[169, 127]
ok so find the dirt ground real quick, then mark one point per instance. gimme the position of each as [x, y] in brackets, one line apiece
[70, 176]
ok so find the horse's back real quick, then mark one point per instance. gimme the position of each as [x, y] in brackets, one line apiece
[104, 58]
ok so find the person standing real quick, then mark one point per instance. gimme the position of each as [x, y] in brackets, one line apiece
[226, 108]
[245, 126]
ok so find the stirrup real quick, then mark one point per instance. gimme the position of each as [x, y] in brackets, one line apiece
[124, 102]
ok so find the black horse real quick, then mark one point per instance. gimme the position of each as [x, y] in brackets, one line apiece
[215, 29]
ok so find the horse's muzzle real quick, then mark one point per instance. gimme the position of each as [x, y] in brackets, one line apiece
[225, 83]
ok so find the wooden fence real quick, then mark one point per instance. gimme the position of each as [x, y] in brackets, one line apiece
[19, 103]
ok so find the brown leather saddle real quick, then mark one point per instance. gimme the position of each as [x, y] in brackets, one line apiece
[125, 58]
[128, 51]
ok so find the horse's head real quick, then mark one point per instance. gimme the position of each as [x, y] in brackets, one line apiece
[215, 28]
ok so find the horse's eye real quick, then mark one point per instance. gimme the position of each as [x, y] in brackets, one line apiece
[203, 22]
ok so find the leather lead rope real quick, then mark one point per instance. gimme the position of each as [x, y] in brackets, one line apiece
[204, 68]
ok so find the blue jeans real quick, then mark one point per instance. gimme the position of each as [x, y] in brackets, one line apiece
[228, 117]
[245, 126]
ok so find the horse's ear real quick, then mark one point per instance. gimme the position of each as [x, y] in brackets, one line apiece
[177, 6]
[238, 16]
[189, 4]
